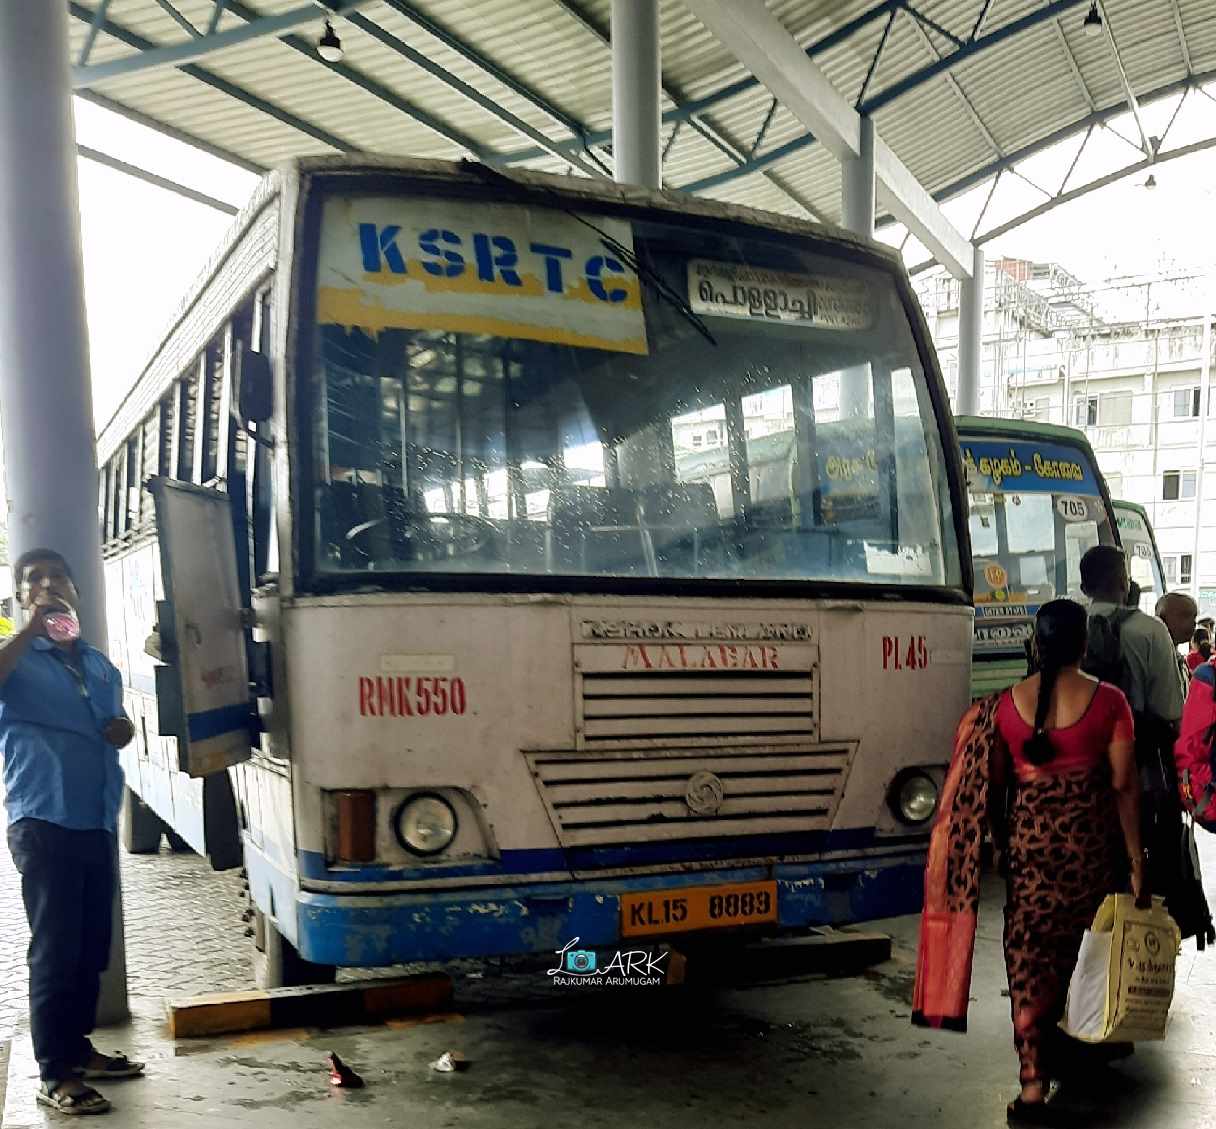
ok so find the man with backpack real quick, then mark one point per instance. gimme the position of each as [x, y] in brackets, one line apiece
[1132, 650]
[1137, 653]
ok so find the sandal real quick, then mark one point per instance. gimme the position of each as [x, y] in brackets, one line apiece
[1019, 1112]
[113, 1066]
[80, 1100]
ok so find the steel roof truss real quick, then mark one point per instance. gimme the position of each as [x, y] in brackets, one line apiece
[1132, 103]
[933, 25]
[210, 78]
[703, 128]
[1182, 43]
[217, 13]
[500, 74]
[352, 75]
[959, 93]
[179, 19]
[979, 21]
[882, 42]
[761, 43]
[94, 27]
[156, 56]
[1076, 160]
[1072, 64]
[158, 181]
[768, 118]
[387, 39]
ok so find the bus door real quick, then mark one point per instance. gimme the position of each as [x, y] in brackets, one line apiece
[202, 686]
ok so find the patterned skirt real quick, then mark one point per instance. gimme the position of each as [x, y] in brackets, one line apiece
[1065, 855]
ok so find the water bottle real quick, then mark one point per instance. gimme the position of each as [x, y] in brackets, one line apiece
[62, 626]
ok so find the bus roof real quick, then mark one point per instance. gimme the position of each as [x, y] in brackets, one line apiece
[1135, 507]
[1021, 429]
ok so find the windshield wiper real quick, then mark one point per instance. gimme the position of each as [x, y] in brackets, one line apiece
[665, 291]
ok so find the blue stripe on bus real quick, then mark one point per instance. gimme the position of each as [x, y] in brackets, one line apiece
[213, 723]
[543, 917]
[546, 860]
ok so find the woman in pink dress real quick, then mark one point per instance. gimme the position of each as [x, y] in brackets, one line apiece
[1070, 768]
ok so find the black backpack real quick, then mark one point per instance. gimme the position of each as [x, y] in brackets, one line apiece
[1104, 651]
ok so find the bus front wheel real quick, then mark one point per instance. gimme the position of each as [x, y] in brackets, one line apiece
[140, 826]
[278, 964]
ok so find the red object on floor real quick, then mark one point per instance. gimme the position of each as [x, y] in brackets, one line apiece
[341, 1075]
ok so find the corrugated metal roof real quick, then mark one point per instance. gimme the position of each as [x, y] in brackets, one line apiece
[546, 64]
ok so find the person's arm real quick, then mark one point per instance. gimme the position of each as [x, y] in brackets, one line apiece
[1163, 693]
[1125, 780]
[119, 731]
[18, 644]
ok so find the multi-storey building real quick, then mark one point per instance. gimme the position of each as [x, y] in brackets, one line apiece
[1137, 388]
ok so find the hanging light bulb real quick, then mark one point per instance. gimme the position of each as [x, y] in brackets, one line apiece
[1093, 21]
[329, 46]
[1151, 182]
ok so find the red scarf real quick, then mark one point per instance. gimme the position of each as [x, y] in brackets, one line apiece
[952, 876]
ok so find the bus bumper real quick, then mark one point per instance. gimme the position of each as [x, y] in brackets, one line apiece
[385, 929]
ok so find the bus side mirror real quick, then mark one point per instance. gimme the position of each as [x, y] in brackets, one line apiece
[254, 385]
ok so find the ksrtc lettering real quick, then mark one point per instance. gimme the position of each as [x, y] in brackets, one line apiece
[495, 258]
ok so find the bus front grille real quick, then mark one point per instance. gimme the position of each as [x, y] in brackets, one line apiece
[725, 707]
[645, 796]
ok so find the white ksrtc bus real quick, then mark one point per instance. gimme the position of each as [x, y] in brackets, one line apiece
[537, 559]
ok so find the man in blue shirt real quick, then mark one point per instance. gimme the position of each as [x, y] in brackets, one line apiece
[61, 725]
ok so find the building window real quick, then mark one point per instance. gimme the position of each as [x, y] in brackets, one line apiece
[697, 439]
[1085, 411]
[1115, 409]
[711, 437]
[1177, 485]
[1186, 403]
[1177, 569]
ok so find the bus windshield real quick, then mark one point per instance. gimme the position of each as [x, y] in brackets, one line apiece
[516, 389]
[1035, 510]
[1143, 563]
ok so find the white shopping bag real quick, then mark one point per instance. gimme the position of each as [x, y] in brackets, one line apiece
[1123, 983]
[1085, 1016]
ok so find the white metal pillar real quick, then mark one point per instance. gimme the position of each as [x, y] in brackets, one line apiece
[857, 184]
[857, 188]
[636, 88]
[46, 401]
[1205, 386]
[971, 336]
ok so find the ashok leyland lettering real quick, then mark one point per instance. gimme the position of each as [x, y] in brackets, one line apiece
[535, 560]
[1037, 503]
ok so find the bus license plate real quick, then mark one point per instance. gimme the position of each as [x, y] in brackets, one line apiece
[698, 907]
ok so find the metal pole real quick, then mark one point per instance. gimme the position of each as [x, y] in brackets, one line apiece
[45, 397]
[636, 86]
[857, 215]
[971, 335]
[857, 185]
[1205, 378]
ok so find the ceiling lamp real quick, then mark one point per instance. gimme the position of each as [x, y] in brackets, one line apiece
[329, 46]
[1093, 21]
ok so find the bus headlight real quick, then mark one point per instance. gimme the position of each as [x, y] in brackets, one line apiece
[426, 824]
[913, 797]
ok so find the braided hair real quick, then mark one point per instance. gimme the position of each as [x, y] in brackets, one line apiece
[1060, 632]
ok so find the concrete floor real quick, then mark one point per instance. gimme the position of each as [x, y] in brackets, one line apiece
[803, 1051]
